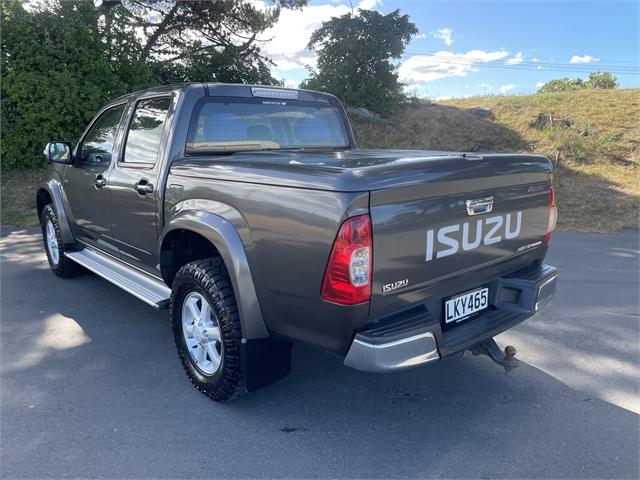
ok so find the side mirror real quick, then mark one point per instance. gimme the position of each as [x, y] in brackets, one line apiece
[58, 152]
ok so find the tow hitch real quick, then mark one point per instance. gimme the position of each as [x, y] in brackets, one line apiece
[490, 348]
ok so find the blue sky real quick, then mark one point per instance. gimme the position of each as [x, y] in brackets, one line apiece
[479, 47]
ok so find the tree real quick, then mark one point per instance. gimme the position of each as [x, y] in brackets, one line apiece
[355, 56]
[54, 77]
[602, 80]
[200, 40]
[63, 59]
[171, 29]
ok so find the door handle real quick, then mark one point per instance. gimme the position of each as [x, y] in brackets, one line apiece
[100, 181]
[479, 206]
[143, 187]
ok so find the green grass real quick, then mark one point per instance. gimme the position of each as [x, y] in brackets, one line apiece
[18, 197]
[597, 175]
[435, 126]
[599, 197]
[605, 123]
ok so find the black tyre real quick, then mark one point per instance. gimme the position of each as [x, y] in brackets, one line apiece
[60, 265]
[206, 328]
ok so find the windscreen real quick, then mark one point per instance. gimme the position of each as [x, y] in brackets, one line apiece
[244, 125]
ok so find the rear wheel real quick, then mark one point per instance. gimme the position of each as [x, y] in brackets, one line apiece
[60, 265]
[206, 328]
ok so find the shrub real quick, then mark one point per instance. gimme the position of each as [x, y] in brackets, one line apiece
[562, 85]
[596, 80]
[601, 80]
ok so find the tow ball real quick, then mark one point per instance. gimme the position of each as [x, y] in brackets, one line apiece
[490, 348]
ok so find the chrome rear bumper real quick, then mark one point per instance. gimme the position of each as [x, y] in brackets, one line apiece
[387, 357]
[408, 342]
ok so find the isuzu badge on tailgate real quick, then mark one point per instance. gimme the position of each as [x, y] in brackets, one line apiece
[488, 231]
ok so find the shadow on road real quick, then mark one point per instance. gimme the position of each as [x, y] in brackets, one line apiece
[91, 386]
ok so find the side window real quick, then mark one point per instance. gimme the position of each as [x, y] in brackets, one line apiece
[97, 144]
[145, 132]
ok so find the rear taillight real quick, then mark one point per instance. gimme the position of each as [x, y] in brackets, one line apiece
[347, 279]
[553, 216]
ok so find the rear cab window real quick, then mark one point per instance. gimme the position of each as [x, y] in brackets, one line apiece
[221, 125]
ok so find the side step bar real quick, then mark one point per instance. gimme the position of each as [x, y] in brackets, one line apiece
[144, 287]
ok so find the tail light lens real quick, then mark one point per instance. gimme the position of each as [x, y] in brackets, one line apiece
[347, 279]
[553, 216]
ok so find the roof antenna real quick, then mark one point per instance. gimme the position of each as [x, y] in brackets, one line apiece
[351, 3]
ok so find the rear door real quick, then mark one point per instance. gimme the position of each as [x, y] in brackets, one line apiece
[133, 186]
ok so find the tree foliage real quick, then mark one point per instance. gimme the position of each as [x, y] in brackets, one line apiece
[355, 58]
[63, 59]
[602, 80]
[595, 80]
[182, 37]
[562, 85]
[53, 77]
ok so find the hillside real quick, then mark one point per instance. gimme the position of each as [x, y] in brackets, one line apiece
[593, 136]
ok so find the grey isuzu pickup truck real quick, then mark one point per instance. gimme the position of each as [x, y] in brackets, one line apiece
[250, 214]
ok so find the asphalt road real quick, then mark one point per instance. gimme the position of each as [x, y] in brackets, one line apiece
[91, 387]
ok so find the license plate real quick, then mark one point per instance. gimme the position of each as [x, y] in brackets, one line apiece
[462, 306]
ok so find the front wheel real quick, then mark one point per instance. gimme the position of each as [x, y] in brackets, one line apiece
[206, 328]
[60, 265]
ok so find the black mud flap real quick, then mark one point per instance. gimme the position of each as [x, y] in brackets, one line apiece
[266, 362]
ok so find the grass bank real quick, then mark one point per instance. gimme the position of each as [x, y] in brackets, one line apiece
[583, 126]
[593, 136]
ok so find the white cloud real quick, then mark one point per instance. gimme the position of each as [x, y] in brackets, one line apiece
[583, 59]
[534, 59]
[540, 84]
[443, 97]
[421, 69]
[444, 34]
[284, 64]
[515, 60]
[421, 35]
[286, 42]
[507, 88]
[539, 67]
[486, 87]
[368, 4]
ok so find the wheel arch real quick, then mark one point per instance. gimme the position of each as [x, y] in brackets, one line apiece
[51, 192]
[223, 239]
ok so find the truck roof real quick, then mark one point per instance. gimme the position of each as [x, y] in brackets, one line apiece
[219, 89]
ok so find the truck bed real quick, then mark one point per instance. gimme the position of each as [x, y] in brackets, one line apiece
[408, 194]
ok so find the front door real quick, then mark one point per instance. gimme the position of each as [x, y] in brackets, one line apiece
[133, 185]
[86, 180]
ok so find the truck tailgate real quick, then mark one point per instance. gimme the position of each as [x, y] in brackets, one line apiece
[429, 233]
